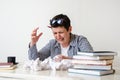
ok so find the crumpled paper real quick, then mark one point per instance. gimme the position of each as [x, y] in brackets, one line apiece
[47, 64]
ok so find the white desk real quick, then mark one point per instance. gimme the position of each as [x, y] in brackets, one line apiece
[21, 74]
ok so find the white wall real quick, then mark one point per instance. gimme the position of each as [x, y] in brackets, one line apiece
[98, 20]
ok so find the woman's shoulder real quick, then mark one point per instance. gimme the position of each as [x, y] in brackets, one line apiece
[78, 37]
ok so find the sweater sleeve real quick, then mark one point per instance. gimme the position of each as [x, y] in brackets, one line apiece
[43, 53]
[32, 53]
[84, 45]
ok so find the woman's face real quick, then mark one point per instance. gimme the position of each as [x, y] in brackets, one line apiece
[62, 35]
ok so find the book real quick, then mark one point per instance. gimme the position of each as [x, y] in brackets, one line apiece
[91, 77]
[84, 57]
[97, 53]
[94, 67]
[90, 62]
[5, 65]
[8, 68]
[91, 72]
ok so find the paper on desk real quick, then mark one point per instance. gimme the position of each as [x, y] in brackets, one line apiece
[47, 64]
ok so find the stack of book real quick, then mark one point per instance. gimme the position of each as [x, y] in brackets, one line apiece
[95, 63]
[7, 66]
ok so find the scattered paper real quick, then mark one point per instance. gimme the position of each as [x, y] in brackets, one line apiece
[47, 64]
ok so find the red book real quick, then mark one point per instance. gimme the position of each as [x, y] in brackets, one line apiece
[5, 65]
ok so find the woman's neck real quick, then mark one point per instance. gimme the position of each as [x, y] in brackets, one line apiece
[64, 45]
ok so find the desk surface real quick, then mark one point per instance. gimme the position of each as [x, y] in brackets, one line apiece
[22, 74]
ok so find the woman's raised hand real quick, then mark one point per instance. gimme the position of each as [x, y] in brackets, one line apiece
[34, 36]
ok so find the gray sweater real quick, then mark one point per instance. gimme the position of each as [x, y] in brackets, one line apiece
[77, 44]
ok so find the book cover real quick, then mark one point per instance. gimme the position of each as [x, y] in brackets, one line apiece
[90, 62]
[97, 53]
[94, 67]
[91, 72]
[5, 64]
[85, 57]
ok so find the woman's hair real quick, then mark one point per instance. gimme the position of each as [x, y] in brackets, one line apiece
[60, 20]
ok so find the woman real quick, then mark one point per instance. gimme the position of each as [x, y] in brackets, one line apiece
[65, 44]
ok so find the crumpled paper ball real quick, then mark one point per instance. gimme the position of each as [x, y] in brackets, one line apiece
[47, 64]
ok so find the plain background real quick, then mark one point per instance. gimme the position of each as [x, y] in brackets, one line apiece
[98, 20]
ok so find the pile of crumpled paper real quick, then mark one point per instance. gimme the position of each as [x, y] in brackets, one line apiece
[37, 65]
